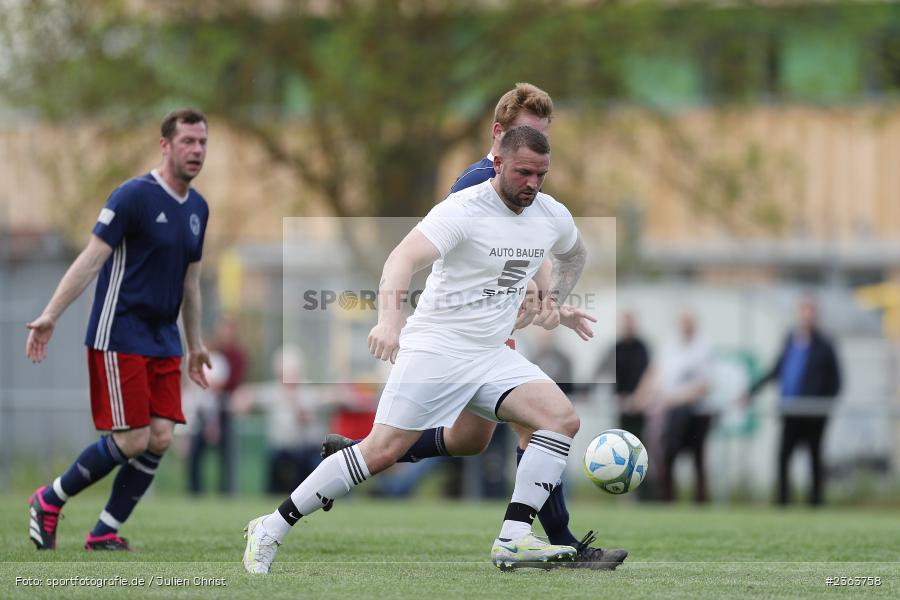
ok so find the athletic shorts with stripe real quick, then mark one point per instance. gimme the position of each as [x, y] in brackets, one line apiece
[128, 389]
[427, 390]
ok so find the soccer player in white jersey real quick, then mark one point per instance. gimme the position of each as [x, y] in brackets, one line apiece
[525, 104]
[484, 244]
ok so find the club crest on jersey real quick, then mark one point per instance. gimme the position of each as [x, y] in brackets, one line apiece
[195, 224]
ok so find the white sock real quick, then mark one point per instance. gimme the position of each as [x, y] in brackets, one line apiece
[539, 472]
[333, 478]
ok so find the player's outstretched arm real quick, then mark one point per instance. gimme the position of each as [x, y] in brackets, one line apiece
[80, 273]
[198, 355]
[414, 253]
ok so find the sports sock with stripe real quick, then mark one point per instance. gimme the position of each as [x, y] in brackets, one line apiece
[93, 464]
[333, 478]
[539, 472]
[554, 516]
[129, 486]
[429, 444]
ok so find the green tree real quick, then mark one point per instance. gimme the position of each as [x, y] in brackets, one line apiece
[361, 99]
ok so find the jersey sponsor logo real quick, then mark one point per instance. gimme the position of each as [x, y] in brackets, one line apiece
[517, 252]
[195, 224]
[513, 273]
[510, 279]
[106, 216]
[161, 218]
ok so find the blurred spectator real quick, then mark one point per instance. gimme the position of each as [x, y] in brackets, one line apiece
[295, 420]
[681, 379]
[809, 377]
[629, 360]
[203, 410]
[216, 429]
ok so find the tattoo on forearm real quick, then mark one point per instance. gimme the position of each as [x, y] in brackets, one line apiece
[567, 270]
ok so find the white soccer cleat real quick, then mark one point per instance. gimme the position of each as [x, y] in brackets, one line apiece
[261, 547]
[529, 551]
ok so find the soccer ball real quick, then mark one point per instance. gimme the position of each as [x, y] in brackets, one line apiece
[616, 461]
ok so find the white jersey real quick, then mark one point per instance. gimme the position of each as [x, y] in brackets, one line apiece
[488, 255]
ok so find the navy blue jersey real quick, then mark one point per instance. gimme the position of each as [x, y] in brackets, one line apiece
[475, 174]
[155, 235]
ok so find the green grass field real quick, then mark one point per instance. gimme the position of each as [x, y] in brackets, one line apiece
[427, 549]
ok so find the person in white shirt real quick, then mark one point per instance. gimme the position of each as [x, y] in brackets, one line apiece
[682, 377]
[484, 243]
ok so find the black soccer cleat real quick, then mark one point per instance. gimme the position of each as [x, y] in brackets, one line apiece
[43, 521]
[587, 557]
[333, 443]
[110, 541]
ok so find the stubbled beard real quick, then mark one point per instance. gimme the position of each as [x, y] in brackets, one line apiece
[510, 195]
[180, 174]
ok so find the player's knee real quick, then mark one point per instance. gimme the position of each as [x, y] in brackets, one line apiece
[159, 442]
[471, 446]
[569, 424]
[134, 442]
[385, 455]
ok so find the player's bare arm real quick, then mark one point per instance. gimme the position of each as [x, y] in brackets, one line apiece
[413, 254]
[576, 319]
[547, 316]
[198, 355]
[82, 271]
[567, 270]
[543, 275]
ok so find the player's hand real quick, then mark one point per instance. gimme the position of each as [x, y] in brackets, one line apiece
[197, 359]
[38, 338]
[384, 342]
[577, 320]
[548, 317]
[529, 308]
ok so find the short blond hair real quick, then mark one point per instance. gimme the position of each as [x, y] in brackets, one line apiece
[523, 97]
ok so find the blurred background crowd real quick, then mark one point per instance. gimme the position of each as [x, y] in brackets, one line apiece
[746, 150]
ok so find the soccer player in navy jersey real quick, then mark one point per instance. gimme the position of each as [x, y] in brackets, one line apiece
[146, 246]
[529, 105]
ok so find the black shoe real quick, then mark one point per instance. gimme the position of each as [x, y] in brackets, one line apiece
[110, 541]
[334, 442]
[587, 557]
[43, 520]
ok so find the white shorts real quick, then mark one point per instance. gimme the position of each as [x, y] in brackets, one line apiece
[426, 390]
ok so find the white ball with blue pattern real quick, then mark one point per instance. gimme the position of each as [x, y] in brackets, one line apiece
[616, 461]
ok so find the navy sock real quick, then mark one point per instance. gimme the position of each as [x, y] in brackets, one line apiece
[131, 482]
[429, 444]
[554, 516]
[93, 464]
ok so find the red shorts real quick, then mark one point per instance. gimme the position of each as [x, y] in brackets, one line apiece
[127, 389]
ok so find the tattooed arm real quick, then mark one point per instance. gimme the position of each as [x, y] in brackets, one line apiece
[567, 270]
